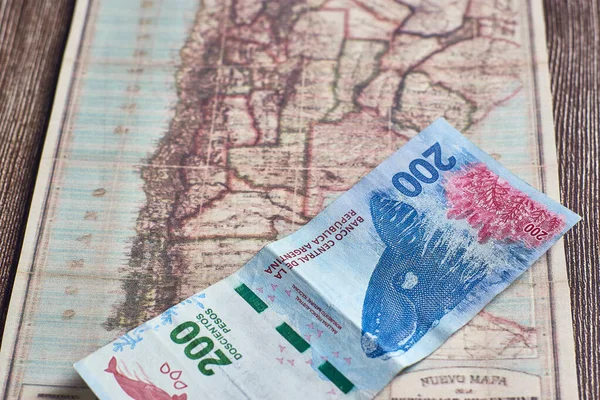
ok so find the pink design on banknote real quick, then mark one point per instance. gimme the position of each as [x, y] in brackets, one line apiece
[498, 210]
[137, 389]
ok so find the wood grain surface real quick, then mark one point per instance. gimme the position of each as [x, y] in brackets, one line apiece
[573, 36]
[33, 34]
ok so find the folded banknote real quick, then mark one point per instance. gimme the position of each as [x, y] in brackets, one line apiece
[374, 283]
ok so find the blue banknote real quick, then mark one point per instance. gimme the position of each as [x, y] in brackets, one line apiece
[373, 284]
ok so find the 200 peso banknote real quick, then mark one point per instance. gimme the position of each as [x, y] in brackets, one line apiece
[376, 282]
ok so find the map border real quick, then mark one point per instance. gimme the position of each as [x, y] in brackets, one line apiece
[563, 358]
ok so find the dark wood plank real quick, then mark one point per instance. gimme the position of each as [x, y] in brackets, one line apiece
[33, 34]
[573, 35]
[32, 38]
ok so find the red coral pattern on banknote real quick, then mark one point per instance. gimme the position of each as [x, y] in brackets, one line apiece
[499, 211]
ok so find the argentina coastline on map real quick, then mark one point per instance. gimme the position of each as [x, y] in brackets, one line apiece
[187, 135]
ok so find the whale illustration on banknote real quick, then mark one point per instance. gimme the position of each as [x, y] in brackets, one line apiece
[426, 271]
[416, 282]
[137, 389]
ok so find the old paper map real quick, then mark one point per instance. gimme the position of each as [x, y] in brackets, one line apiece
[188, 134]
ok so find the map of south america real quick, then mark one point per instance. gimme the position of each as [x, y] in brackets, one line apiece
[284, 105]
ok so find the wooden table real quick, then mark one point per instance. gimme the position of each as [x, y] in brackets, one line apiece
[32, 40]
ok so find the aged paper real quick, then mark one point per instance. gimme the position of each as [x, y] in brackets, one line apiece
[186, 135]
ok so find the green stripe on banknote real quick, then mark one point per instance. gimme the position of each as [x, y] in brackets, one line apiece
[294, 338]
[251, 298]
[336, 377]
